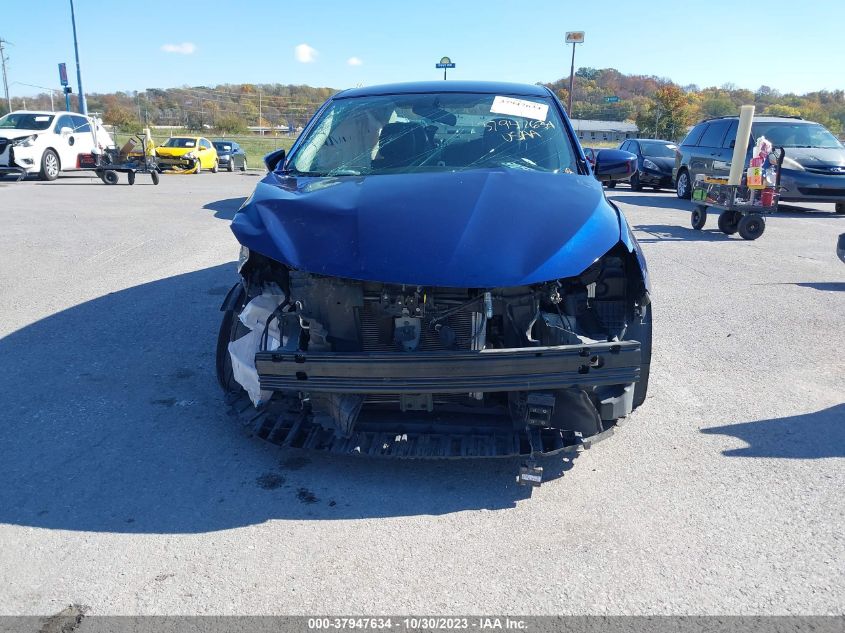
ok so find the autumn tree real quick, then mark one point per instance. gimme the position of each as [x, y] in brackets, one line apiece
[121, 117]
[668, 114]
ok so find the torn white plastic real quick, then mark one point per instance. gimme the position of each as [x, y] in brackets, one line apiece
[242, 351]
[520, 107]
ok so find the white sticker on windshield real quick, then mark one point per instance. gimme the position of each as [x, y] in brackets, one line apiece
[520, 107]
[42, 118]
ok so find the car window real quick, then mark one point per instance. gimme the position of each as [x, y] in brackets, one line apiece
[634, 147]
[730, 137]
[80, 124]
[410, 133]
[795, 134]
[177, 141]
[694, 135]
[657, 149]
[204, 143]
[63, 121]
[26, 121]
[714, 134]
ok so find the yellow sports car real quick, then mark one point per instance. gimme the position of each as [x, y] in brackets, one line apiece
[187, 154]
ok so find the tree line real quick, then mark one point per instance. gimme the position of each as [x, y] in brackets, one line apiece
[659, 107]
[664, 109]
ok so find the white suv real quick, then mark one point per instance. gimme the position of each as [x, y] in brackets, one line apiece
[47, 143]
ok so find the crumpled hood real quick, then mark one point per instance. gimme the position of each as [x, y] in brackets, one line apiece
[816, 156]
[174, 151]
[13, 134]
[479, 228]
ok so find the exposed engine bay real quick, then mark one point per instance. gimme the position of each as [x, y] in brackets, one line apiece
[347, 356]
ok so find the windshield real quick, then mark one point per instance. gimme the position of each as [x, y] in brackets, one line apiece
[435, 132]
[787, 134]
[26, 121]
[222, 147]
[658, 150]
[180, 142]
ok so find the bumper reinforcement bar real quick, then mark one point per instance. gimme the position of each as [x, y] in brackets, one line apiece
[516, 369]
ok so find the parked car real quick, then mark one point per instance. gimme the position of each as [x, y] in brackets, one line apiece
[840, 247]
[590, 153]
[434, 271]
[47, 143]
[813, 169]
[230, 155]
[190, 154]
[655, 160]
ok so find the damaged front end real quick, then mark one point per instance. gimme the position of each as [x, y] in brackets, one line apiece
[414, 371]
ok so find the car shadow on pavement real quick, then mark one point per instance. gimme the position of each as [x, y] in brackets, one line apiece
[809, 436]
[112, 421]
[795, 211]
[826, 286]
[677, 233]
[225, 209]
[654, 201]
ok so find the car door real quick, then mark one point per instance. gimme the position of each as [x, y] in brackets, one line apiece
[207, 156]
[64, 141]
[83, 134]
[722, 162]
[709, 149]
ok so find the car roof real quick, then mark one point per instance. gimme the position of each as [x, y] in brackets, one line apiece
[761, 119]
[653, 140]
[45, 112]
[435, 87]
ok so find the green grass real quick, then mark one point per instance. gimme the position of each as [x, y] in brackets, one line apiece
[256, 147]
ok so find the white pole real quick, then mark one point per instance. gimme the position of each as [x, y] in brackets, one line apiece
[746, 116]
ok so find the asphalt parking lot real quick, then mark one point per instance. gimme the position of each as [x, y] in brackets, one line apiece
[128, 488]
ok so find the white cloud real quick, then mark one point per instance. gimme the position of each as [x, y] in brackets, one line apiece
[305, 54]
[185, 48]
[354, 61]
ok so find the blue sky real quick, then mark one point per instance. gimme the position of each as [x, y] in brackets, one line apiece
[795, 46]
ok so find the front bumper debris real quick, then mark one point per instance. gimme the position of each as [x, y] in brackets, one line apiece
[174, 164]
[441, 436]
[489, 370]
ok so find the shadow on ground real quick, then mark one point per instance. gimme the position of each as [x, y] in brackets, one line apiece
[677, 233]
[826, 286]
[225, 209]
[653, 201]
[810, 436]
[112, 421]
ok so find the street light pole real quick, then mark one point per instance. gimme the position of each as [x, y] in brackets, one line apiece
[83, 107]
[571, 82]
[572, 37]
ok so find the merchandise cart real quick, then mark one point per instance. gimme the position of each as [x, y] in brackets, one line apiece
[742, 206]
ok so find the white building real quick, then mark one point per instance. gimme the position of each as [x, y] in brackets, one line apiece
[592, 130]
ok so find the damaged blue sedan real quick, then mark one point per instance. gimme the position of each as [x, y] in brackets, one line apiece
[434, 271]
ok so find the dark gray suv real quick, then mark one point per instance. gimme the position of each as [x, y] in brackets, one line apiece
[813, 169]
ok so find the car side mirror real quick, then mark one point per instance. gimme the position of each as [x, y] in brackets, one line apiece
[273, 159]
[65, 131]
[615, 164]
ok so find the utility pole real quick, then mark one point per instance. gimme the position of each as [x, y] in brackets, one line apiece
[83, 107]
[3, 61]
[260, 131]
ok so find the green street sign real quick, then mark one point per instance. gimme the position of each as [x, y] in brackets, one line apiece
[611, 99]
